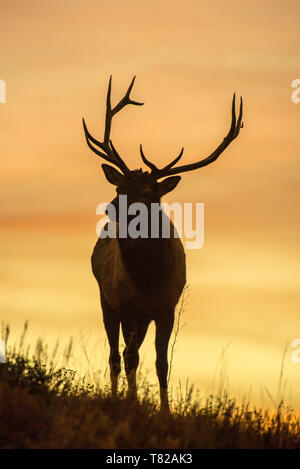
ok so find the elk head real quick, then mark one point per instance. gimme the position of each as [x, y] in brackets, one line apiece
[143, 186]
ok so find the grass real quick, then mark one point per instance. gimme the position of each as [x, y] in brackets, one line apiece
[43, 405]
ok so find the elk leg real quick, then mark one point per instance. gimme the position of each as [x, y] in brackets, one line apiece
[112, 327]
[142, 330]
[130, 354]
[164, 326]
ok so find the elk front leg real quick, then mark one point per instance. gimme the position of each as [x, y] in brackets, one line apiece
[130, 355]
[164, 328]
[112, 327]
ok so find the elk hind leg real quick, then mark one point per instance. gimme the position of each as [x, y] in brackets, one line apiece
[131, 354]
[112, 327]
[164, 326]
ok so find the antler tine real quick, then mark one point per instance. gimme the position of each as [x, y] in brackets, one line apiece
[116, 154]
[240, 124]
[109, 152]
[126, 100]
[108, 116]
[170, 165]
[232, 134]
[152, 166]
[89, 138]
[154, 169]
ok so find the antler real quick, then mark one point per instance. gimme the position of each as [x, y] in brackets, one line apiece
[109, 153]
[232, 134]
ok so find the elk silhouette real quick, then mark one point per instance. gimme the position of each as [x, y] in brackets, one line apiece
[141, 279]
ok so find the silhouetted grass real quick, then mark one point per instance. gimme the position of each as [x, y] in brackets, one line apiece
[46, 406]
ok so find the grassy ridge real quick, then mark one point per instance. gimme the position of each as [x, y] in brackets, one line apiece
[45, 407]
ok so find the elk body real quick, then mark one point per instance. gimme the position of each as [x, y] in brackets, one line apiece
[141, 279]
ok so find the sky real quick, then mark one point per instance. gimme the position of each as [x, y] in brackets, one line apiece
[189, 58]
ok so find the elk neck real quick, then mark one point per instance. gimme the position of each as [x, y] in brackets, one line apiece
[148, 261]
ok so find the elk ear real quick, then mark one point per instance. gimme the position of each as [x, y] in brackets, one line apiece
[112, 175]
[167, 185]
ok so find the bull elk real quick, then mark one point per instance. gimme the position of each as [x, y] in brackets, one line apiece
[141, 279]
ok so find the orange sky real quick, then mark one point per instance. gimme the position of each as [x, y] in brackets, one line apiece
[189, 57]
